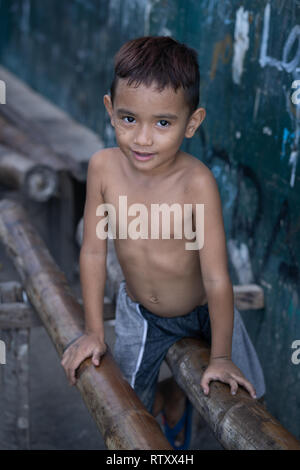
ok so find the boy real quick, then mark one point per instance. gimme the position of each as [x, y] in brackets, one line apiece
[169, 291]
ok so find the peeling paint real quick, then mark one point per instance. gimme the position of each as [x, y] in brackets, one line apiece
[241, 44]
[293, 37]
[293, 163]
[265, 284]
[286, 138]
[240, 257]
[267, 130]
[256, 103]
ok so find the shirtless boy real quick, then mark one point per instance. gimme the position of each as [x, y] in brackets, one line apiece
[169, 291]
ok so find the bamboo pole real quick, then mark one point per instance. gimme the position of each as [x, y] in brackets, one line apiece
[238, 422]
[21, 142]
[48, 125]
[36, 181]
[120, 415]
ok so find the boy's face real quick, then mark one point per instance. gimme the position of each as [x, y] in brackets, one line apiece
[150, 125]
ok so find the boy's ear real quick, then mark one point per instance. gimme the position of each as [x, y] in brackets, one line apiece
[109, 108]
[194, 122]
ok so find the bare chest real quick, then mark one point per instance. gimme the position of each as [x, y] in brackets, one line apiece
[139, 212]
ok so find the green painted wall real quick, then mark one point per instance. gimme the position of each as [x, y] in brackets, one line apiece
[249, 55]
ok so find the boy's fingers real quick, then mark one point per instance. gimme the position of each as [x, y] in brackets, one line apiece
[71, 369]
[96, 357]
[205, 384]
[247, 385]
[233, 386]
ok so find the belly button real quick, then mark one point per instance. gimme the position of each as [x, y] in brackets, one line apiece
[153, 299]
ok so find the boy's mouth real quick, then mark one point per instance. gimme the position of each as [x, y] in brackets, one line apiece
[143, 155]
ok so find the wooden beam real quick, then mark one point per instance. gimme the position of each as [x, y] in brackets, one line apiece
[36, 181]
[238, 422]
[18, 315]
[48, 125]
[18, 140]
[14, 375]
[120, 415]
[11, 291]
[248, 297]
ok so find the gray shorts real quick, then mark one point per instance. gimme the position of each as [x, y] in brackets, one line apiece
[143, 340]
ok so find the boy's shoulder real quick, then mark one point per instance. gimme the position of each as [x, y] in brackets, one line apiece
[198, 172]
[102, 155]
[100, 160]
[200, 180]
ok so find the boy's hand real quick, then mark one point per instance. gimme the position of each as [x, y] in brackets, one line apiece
[227, 372]
[85, 346]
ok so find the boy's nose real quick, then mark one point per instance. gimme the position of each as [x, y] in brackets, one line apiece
[143, 137]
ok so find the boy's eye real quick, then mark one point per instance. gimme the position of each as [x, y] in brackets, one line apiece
[130, 119]
[163, 123]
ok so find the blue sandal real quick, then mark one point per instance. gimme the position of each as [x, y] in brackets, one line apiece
[185, 420]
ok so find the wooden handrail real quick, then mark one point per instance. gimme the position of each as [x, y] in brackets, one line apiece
[239, 422]
[120, 415]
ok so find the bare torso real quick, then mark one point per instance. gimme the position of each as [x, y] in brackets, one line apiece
[160, 273]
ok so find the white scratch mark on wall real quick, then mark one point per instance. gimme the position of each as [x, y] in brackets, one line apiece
[256, 103]
[293, 162]
[240, 259]
[293, 37]
[267, 130]
[241, 43]
[264, 59]
[295, 118]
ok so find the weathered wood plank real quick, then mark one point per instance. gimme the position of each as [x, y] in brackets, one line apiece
[11, 291]
[18, 315]
[248, 296]
[14, 374]
[36, 181]
[46, 123]
[14, 379]
[20, 141]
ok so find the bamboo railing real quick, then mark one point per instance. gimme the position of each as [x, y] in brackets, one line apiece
[119, 414]
[239, 422]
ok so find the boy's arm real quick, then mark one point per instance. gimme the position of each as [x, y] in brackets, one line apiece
[218, 286]
[93, 250]
[92, 276]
